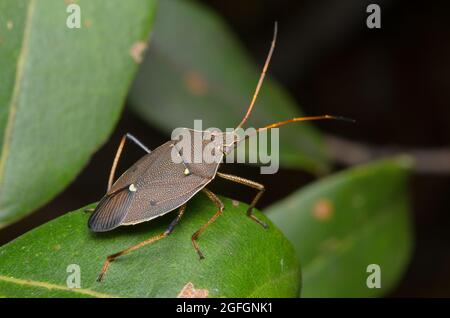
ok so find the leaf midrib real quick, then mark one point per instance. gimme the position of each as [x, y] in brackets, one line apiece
[16, 91]
[34, 283]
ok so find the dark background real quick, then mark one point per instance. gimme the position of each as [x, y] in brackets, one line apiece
[395, 81]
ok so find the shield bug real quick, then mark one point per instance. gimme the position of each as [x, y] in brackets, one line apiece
[156, 184]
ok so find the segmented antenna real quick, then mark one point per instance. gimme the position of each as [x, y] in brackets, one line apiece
[310, 118]
[261, 78]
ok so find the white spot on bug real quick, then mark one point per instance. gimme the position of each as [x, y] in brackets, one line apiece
[186, 172]
[132, 188]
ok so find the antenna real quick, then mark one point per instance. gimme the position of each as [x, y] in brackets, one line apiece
[261, 78]
[310, 118]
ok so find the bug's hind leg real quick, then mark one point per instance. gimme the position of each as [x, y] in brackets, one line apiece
[119, 153]
[151, 240]
[252, 184]
[196, 235]
[116, 160]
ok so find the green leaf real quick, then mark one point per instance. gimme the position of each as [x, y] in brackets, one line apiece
[62, 91]
[345, 222]
[241, 258]
[196, 69]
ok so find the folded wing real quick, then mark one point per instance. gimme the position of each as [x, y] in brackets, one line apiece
[111, 210]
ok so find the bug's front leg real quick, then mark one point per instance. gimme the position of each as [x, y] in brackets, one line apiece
[196, 235]
[252, 184]
[151, 240]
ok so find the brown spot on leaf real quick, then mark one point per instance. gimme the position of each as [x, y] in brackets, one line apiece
[195, 83]
[323, 210]
[189, 291]
[88, 23]
[235, 203]
[137, 51]
[57, 247]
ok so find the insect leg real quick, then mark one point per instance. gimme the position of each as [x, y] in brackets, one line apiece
[252, 184]
[151, 240]
[119, 152]
[220, 205]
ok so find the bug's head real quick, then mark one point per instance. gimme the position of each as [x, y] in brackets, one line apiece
[231, 140]
[226, 141]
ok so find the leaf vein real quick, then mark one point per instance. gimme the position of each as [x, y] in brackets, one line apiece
[28, 282]
[17, 84]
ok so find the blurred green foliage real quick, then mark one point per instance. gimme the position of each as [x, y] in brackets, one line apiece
[62, 91]
[343, 223]
[61, 104]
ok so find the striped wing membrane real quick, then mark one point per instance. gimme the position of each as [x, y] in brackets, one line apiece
[111, 210]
